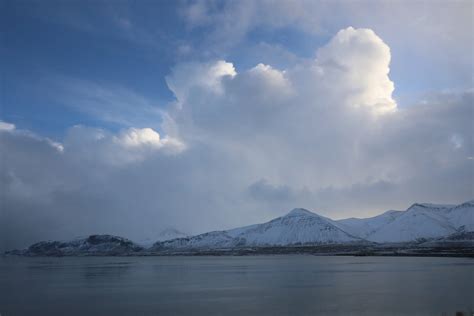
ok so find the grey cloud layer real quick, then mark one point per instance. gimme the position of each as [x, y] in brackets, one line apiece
[240, 147]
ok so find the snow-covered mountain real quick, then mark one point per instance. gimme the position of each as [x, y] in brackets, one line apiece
[166, 234]
[299, 226]
[419, 221]
[170, 233]
[427, 224]
[461, 216]
[216, 239]
[364, 227]
[92, 245]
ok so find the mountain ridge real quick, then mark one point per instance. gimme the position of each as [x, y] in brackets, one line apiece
[421, 222]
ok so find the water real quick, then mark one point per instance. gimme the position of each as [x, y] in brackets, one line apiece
[251, 285]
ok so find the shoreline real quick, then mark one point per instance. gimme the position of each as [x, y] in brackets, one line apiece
[460, 252]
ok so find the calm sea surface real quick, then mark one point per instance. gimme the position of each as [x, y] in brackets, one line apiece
[250, 285]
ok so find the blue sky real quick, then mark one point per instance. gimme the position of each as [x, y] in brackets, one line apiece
[208, 114]
[43, 41]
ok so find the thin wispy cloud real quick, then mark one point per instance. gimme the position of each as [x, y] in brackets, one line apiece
[105, 102]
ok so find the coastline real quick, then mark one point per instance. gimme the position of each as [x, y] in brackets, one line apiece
[320, 250]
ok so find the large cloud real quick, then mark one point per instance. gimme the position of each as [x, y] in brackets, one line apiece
[241, 147]
[312, 115]
[332, 123]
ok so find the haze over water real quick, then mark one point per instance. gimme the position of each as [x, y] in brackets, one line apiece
[256, 285]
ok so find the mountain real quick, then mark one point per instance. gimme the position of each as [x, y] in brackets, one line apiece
[364, 227]
[170, 233]
[461, 216]
[459, 239]
[427, 225]
[299, 226]
[102, 245]
[166, 234]
[419, 221]
[211, 240]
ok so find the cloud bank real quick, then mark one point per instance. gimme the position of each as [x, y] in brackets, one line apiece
[238, 147]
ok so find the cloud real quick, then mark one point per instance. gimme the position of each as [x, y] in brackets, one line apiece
[360, 60]
[441, 24]
[420, 36]
[457, 141]
[106, 102]
[4, 126]
[331, 122]
[128, 146]
[241, 146]
[136, 137]
[196, 77]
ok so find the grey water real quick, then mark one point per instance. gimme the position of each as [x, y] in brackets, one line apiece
[248, 285]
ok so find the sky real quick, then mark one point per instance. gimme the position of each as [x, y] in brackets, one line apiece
[128, 117]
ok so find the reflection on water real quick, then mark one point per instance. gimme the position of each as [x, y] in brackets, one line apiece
[253, 285]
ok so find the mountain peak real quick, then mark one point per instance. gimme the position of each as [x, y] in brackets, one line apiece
[171, 230]
[429, 206]
[300, 212]
[170, 233]
[467, 203]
